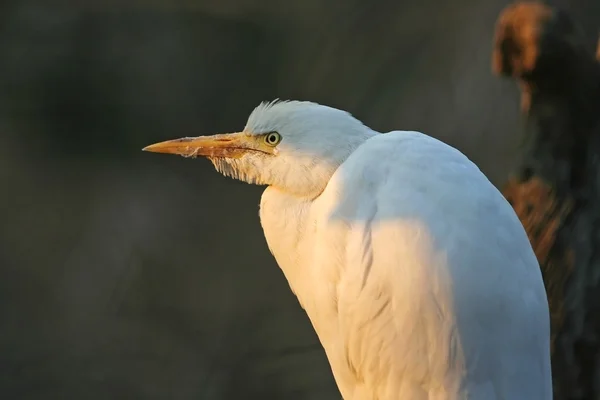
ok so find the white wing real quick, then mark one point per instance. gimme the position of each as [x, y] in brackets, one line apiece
[439, 294]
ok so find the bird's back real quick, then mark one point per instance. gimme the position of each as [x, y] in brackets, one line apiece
[438, 294]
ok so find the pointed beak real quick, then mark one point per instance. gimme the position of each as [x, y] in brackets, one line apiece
[231, 145]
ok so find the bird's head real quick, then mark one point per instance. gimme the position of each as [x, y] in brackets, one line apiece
[294, 146]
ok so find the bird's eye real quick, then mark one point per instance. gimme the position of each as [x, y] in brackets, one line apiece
[273, 138]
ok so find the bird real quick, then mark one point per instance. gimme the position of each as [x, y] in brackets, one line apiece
[415, 272]
[554, 186]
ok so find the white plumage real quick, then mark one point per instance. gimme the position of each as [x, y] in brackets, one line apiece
[414, 270]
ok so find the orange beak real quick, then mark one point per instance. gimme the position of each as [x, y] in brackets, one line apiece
[230, 145]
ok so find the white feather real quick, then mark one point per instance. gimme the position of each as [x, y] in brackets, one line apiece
[416, 273]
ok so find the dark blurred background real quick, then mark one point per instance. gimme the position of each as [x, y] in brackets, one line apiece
[126, 275]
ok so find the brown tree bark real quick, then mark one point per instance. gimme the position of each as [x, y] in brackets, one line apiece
[554, 189]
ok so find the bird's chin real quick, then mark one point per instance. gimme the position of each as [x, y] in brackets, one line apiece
[234, 168]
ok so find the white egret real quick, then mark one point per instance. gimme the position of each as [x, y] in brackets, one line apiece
[414, 270]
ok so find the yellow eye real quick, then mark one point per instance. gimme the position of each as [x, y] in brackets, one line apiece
[272, 138]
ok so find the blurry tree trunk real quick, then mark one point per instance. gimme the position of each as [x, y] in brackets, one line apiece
[554, 190]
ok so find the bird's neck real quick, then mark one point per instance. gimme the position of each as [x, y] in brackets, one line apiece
[286, 222]
[289, 220]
